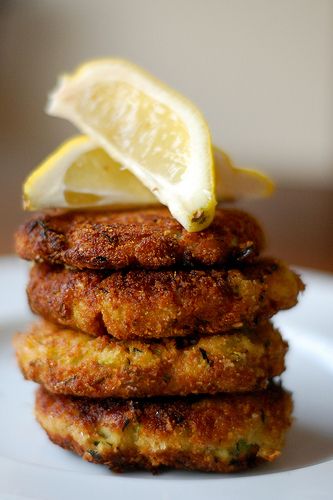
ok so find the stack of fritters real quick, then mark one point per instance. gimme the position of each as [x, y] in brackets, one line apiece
[155, 347]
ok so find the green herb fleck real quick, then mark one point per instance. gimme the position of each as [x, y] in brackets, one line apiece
[243, 449]
[95, 455]
[126, 423]
[205, 356]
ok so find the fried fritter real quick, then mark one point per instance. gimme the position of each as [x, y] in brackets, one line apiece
[149, 238]
[73, 363]
[223, 433]
[162, 303]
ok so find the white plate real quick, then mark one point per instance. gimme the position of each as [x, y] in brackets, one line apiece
[33, 468]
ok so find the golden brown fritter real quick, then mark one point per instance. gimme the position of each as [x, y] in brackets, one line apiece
[223, 433]
[74, 363]
[149, 238]
[162, 303]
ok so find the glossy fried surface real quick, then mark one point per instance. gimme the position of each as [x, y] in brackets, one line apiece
[223, 433]
[149, 238]
[165, 303]
[73, 363]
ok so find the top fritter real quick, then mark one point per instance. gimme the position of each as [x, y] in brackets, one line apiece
[149, 239]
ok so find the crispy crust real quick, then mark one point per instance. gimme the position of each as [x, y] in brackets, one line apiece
[73, 363]
[223, 433]
[162, 303]
[148, 239]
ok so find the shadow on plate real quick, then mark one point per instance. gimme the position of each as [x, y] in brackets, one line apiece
[305, 446]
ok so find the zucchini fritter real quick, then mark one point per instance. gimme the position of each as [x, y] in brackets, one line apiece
[73, 363]
[149, 239]
[223, 433]
[169, 303]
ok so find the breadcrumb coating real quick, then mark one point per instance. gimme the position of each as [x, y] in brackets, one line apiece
[222, 433]
[169, 303]
[148, 239]
[74, 363]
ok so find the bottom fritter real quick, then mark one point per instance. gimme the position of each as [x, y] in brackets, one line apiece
[222, 433]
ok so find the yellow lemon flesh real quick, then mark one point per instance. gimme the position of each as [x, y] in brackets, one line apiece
[80, 174]
[151, 130]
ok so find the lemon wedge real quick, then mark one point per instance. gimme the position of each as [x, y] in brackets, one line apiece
[234, 183]
[154, 132]
[80, 174]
